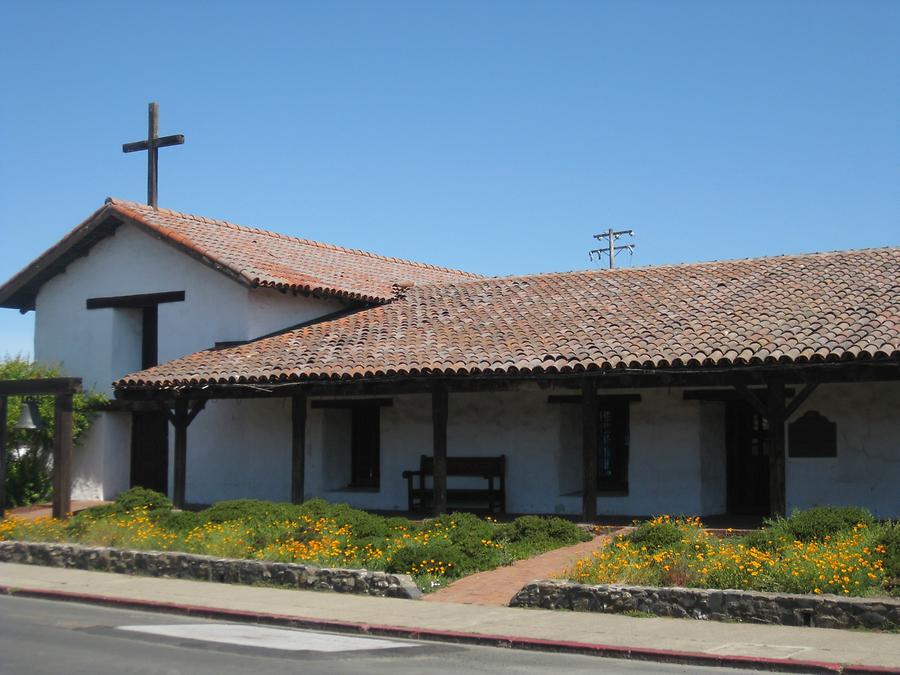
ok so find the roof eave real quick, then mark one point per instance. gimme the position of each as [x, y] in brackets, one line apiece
[20, 291]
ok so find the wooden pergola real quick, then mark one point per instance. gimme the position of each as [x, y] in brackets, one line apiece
[770, 389]
[63, 389]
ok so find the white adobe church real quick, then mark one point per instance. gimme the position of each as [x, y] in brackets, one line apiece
[244, 363]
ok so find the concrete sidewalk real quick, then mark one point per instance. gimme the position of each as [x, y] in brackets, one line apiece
[673, 640]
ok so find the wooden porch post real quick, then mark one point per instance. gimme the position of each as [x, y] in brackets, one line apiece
[62, 457]
[439, 412]
[589, 449]
[2, 456]
[181, 417]
[776, 417]
[298, 447]
[179, 421]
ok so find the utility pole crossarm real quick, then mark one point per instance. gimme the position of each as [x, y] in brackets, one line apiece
[610, 249]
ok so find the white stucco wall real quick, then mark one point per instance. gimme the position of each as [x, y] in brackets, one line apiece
[238, 449]
[542, 442]
[866, 470]
[677, 461]
[104, 344]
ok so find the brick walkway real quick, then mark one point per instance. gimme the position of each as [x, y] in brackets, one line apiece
[496, 587]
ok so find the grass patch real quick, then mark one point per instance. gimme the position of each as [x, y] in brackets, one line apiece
[638, 614]
[823, 550]
[316, 532]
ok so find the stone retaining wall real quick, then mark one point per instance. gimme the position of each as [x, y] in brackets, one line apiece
[208, 568]
[826, 611]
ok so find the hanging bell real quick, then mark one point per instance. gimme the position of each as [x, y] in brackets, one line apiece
[30, 417]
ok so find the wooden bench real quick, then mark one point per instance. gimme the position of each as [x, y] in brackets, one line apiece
[491, 469]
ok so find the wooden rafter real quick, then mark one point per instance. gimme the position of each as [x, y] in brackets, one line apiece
[799, 400]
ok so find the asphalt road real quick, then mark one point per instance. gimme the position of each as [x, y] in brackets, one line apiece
[41, 636]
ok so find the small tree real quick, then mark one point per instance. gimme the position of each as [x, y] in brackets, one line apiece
[28, 452]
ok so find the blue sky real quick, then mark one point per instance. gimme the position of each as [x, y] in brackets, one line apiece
[491, 136]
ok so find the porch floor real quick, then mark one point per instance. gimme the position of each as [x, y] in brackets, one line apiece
[45, 510]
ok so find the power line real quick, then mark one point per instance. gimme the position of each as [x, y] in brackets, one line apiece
[610, 249]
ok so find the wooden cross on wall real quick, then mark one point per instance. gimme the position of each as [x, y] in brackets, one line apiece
[152, 145]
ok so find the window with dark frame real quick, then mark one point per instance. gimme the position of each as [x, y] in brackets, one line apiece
[613, 429]
[613, 437]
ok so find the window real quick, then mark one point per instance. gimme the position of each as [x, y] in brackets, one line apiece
[352, 442]
[613, 440]
[612, 446]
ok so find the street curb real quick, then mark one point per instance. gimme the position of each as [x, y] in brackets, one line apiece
[457, 637]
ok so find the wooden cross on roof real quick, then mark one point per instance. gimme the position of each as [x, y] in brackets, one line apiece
[152, 145]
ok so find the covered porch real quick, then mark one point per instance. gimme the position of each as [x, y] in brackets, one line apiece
[598, 445]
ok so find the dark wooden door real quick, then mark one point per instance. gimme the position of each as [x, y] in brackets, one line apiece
[150, 451]
[365, 461]
[747, 435]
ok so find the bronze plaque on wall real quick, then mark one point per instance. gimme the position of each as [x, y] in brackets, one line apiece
[813, 435]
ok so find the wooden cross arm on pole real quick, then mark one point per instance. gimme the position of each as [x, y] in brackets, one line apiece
[163, 142]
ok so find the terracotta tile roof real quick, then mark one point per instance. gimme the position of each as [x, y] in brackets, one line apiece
[266, 258]
[252, 256]
[807, 308]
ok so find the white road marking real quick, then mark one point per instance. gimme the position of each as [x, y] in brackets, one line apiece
[266, 638]
[758, 650]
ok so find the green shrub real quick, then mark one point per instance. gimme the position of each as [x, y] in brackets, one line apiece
[472, 538]
[316, 508]
[656, 535]
[437, 557]
[890, 539]
[97, 512]
[539, 530]
[250, 510]
[806, 525]
[396, 523]
[363, 524]
[464, 526]
[78, 524]
[822, 521]
[767, 538]
[774, 561]
[138, 497]
[177, 521]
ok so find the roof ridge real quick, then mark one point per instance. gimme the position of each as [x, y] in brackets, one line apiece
[115, 201]
[663, 266]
